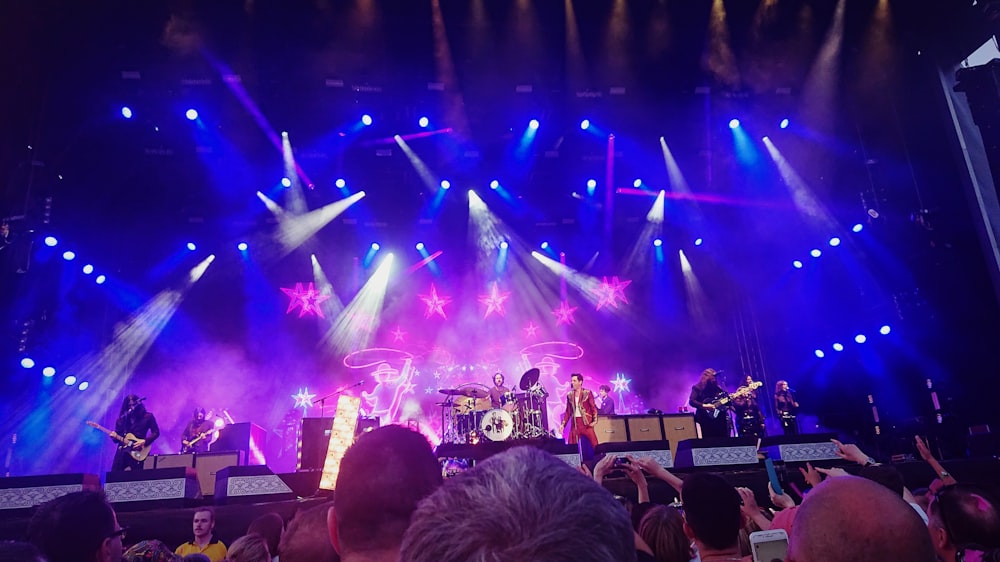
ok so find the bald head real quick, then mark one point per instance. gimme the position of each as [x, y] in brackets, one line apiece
[849, 519]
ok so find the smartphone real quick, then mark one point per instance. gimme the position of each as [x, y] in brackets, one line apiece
[773, 476]
[769, 546]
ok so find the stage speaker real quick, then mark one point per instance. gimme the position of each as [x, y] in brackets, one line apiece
[716, 451]
[247, 437]
[677, 428]
[208, 466]
[657, 450]
[249, 484]
[24, 492]
[644, 428]
[611, 429]
[805, 447]
[131, 490]
[982, 442]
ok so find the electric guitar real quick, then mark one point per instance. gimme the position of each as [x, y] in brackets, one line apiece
[726, 398]
[126, 442]
[188, 446]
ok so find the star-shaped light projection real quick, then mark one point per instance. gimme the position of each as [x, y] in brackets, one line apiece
[609, 293]
[435, 304]
[620, 383]
[303, 399]
[494, 301]
[398, 335]
[306, 300]
[530, 329]
[564, 314]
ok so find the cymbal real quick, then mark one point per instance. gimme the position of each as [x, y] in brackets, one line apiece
[473, 392]
[452, 391]
[529, 378]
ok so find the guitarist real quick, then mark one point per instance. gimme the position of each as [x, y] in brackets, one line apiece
[195, 438]
[133, 418]
[703, 394]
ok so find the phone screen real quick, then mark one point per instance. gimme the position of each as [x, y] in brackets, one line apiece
[770, 551]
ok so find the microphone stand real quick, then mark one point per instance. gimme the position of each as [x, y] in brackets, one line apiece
[322, 400]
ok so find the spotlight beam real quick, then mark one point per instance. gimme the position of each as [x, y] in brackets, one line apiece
[294, 230]
[355, 327]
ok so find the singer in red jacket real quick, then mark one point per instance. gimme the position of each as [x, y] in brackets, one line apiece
[581, 410]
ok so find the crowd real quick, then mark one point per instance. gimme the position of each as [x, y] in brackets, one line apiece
[392, 504]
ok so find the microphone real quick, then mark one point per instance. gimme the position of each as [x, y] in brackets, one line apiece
[717, 371]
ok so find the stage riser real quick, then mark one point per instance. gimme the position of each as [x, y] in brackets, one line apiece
[24, 492]
[152, 489]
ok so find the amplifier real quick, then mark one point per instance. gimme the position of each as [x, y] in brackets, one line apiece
[611, 429]
[645, 428]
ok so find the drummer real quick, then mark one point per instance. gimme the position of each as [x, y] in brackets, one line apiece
[498, 392]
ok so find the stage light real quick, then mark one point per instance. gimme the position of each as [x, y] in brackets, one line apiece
[835, 241]
[126, 112]
[591, 185]
[861, 338]
[191, 246]
[242, 246]
[69, 255]
[734, 123]
[857, 228]
[698, 241]
[70, 380]
[585, 124]
[191, 114]
[100, 279]
[49, 371]
[494, 184]
[504, 245]
[815, 253]
[284, 134]
[783, 124]
[219, 423]
[657, 242]
[797, 264]
[423, 122]
[884, 330]
[637, 183]
[420, 245]
[340, 183]
[88, 269]
[84, 385]
[838, 347]
[445, 184]
[545, 245]
[366, 119]
[51, 241]
[375, 246]
[286, 182]
[27, 362]
[819, 353]
[533, 124]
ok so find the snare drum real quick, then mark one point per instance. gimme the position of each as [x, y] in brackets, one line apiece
[497, 425]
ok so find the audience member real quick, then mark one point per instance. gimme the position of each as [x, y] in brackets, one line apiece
[712, 516]
[307, 539]
[77, 527]
[269, 526]
[852, 519]
[204, 542]
[539, 508]
[249, 548]
[17, 551]
[149, 551]
[382, 478]
[662, 528]
[962, 517]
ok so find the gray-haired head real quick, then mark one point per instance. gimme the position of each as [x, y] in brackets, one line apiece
[523, 504]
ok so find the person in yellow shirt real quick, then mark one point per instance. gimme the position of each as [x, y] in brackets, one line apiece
[204, 542]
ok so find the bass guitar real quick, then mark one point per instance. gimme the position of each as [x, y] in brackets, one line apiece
[125, 442]
[724, 400]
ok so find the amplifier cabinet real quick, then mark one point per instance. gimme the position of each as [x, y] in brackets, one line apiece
[645, 428]
[611, 429]
[677, 428]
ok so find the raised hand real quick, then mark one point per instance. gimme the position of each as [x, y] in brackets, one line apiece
[812, 476]
[850, 452]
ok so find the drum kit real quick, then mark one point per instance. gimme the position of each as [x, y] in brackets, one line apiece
[467, 415]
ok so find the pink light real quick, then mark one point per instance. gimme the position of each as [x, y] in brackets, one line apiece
[424, 261]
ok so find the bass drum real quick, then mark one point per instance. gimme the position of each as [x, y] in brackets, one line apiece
[497, 425]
